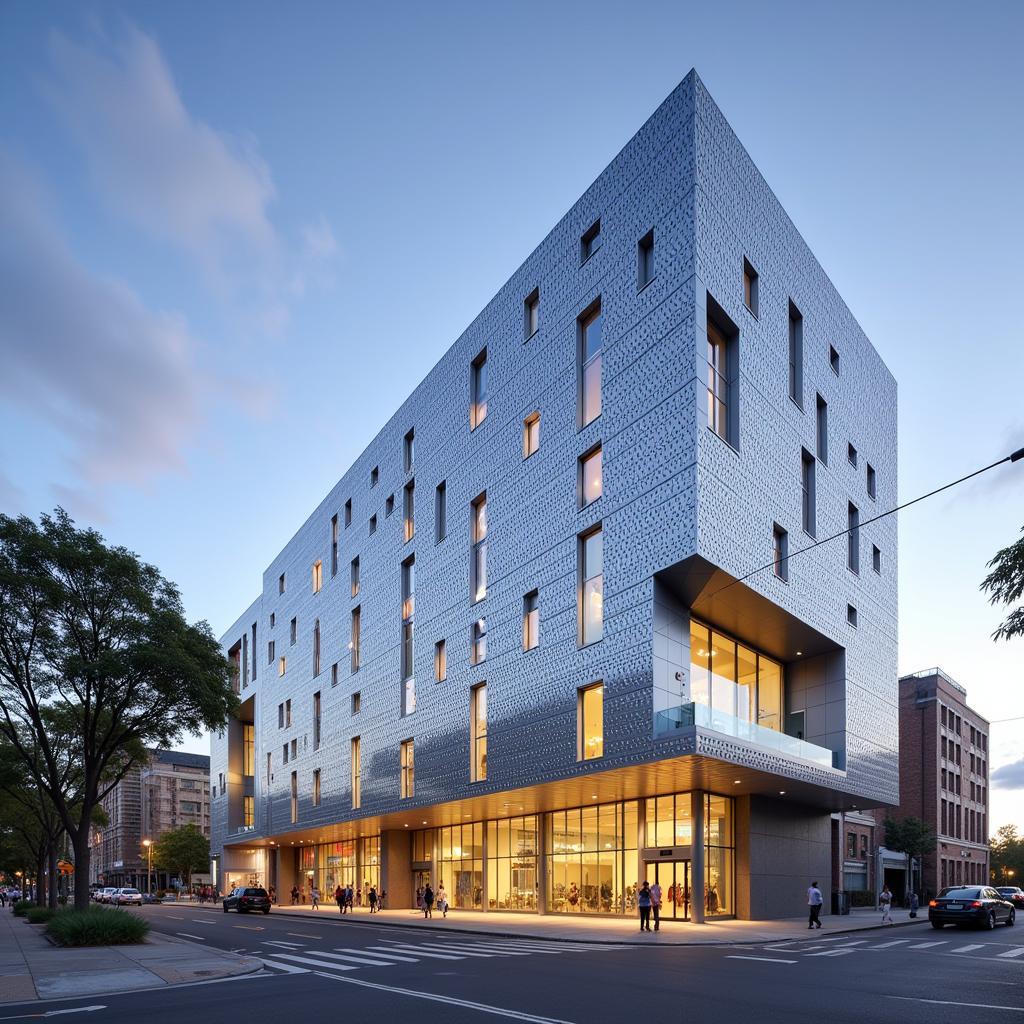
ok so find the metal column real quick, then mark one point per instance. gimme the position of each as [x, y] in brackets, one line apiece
[697, 894]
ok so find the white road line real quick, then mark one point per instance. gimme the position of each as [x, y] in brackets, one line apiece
[967, 949]
[445, 949]
[177, 917]
[763, 959]
[498, 1011]
[926, 945]
[384, 956]
[485, 948]
[304, 935]
[250, 927]
[950, 1002]
[886, 945]
[186, 935]
[287, 968]
[200, 920]
[366, 961]
[417, 951]
[834, 952]
[312, 961]
[856, 942]
[781, 945]
[1019, 951]
[278, 942]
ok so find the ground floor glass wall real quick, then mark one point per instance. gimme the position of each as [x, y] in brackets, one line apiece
[460, 864]
[512, 849]
[720, 853]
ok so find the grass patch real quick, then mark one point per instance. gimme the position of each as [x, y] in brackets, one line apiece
[21, 907]
[97, 926]
[39, 915]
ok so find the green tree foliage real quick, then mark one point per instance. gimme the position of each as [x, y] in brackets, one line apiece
[182, 851]
[97, 662]
[910, 836]
[1005, 585]
[1007, 856]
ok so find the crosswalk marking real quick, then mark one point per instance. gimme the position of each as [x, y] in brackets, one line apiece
[383, 956]
[834, 952]
[895, 942]
[399, 949]
[275, 942]
[313, 962]
[287, 968]
[926, 945]
[366, 961]
[968, 948]
[440, 948]
[1019, 951]
[486, 949]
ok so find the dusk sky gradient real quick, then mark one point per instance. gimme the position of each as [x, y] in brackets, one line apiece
[234, 237]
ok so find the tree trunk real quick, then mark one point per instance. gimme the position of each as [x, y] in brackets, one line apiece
[80, 844]
[41, 877]
[51, 875]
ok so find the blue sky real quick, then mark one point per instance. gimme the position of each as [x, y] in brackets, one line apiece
[233, 237]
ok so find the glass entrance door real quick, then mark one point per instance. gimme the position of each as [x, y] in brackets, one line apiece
[674, 878]
[420, 880]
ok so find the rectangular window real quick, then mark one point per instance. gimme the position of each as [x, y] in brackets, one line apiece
[531, 620]
[357, 772]
[749, 287]
[478, 733]
[389, 506]
[334, 674]
[284, 753]
[645, 260]
[334, 545]
[876, 558]
[353, 570]
[440, 512]
[374, 476]
[851, 615]
[270, 768]
[852, 537]
[531, 314]
[273, 619]
[796, 355]
[591, 560]
[316, 787]
[833, 359]
[293, 630]
[408, 617]
[282, 665]
[316, 720]
[409, 510]
[295, 749]
[373, 524]
[288, 714]
[353, 643]
[316, 648]
[280, 716]
[478, 550]
[822, 428]
[409, 450]
[440, 661]
[722, 372]
[780, 552]
[590, 345]
[270, 652]
[590, 477]
[478, 391]
[531, 434]
[590, 717]
[357, 702]
[851, 844]
[807, 503]
[871, 481]
[851, 455]
[408, 781]
[248, 810]
[295, 797]
[478, 642]
[348, 513]
[590, 242]
[254, 659]
[280, 584]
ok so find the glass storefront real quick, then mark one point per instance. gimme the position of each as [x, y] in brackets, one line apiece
[668, 821]
[592, 859]
[719, 853]
[512, 864]
[354, 862]
[460, 864]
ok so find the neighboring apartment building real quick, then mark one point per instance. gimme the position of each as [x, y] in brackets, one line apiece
[520, 648]
[172, 790]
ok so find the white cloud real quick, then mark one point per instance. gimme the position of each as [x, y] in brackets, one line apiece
[1009, 776]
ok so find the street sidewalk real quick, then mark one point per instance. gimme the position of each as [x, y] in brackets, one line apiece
[579, 928]
[32, 968]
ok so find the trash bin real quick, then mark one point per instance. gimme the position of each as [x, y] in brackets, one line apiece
[840, 902]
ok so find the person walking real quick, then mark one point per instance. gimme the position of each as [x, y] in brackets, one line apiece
[428, 901]
[643, 902]
[381, 897]
[339, 898]
[419, 898]
[914, 904]
[372, 899]
[314, 897]
[885, 903]
[814, 902]
[656, 904]
[348, 899]
[442, 900]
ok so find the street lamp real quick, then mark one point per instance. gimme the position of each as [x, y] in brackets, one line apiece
[148, 844]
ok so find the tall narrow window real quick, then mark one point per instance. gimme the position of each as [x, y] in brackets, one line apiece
[807, 503]
[293, 630]
[440, 512]
[374, 476]
[348, 513]
[316, 720]
[478, 642]
[280, 584]
[590, 344]
[851, 455]
[590, 477]
[478, 391]
[833, 359]
[531, 620]
[316, 787]
[478, 733]
[334, 674]
[270, 652]
[852, 537]
[591, 587]
[334, 545]
[295, 797]
[780, 552]
[440, 661]
[409, 510]
[353, 570]
[280, 716]
[796, 355]
[316, 648]
[722, 371]
[531, 434]
[590, 242]
[282, 665]
[373, 523]
[876, 558]
[248, 811]
[408, 782]
[357, 774]
[353, 643]
[851, 615]
[822, 428]
[749, 287]
[270, 767]
[288, 713]
[409, 450]
[531, 314]
[871, 481]
[478, 552]
[645, 260]
[389, 506]
[254, 657]
[591, 722]
[408, 635]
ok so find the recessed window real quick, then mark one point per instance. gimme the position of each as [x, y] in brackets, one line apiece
[852, 537]
[780, 552]
[409, 511]
[591, 241]
[282, 665]
[833, 359]
[851, 455]
[591, 722]
[590, 477]
[334, 674]
[280, 584]
[270, 652]
[357, 773]
[318, 576]
[796, 355]
[409, 450]
[531, 314]
[478, 550]
[749, 287]
[821, 432]
[288, 714]
[389, 506]
[478, 642]
[807, 487]
[478, 733]
[408, 777]
[722, 373]
[440, 512]
[851, 615]
[316, 720]
[645, 260]
[408, 623]
[348, 513]
[531, 620]
[374, 476]
[334, 545]
[440, 661]
[354, 575]
[591, 560]
[871, 481]
[316, 648]
[478, 391]
[316, 787]
[280, 716]
[273, 619]
[357, 702]
[373, 523]
[590, 345]
[295, 797]
[876, 558]
[293, 630]
[531, 434]
[354, 631]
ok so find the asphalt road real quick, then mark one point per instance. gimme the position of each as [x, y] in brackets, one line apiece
[335, 968]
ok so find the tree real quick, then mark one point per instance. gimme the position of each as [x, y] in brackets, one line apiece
[1005, 585]
[97, 662]
[182, 851]
[1007, 856]
[910, 836]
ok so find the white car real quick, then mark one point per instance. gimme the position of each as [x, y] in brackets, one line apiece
[107, 895]
[126, 897]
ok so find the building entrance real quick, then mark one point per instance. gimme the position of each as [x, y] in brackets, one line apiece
[674, 878]
[420, 880]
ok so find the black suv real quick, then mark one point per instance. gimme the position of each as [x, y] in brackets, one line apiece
[970, 904]
[244, 900]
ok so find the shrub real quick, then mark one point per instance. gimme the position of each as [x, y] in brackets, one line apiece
[21, 907]
[39, 915]
[97, 926]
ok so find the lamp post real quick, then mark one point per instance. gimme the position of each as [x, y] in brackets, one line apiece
[148, 844]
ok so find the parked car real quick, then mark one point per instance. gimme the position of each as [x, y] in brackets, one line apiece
[1013, 893]
[980, 905]
[127, 897]
[149, 897]
[106, 895]
[245, 899]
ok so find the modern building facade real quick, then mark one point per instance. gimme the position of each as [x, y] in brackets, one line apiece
[557, 629]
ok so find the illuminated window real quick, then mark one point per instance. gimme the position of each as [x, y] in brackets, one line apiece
[440, 661]
[590, 344]
[248, 750]
[590, 477]
[531, 314]
[478, 642]
[409, 510]
[531, 434]
[354, 576]
[478, 553]
[353, 643]
[721, 371]
[749, 287]
[531, 620]
[591, 722]
[591, 241]
[478, 391]
[356, 773]
[248, 811]
[282, 665]
[318, 576]
[591, 586]
[408, 778]
[478, 733]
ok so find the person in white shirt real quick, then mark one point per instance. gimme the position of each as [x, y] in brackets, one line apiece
[814, 901]
[885, 902]
[656, 904]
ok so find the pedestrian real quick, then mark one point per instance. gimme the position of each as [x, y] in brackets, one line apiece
[295, 895]
[273, 894]
[381, 896]
[914, 904]
[348, 898]
[442, 900]
[428, 901]
[885, 902]
[314, 897]
[372, 898]
[419, 898]
[656, 904]
[814, 902]
[339, 898]
[643, 902]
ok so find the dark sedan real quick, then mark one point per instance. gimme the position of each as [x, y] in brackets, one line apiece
[979, 905]
[1013, 893]
[246, 899]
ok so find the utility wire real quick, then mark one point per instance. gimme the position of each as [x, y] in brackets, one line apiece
[1012, 457]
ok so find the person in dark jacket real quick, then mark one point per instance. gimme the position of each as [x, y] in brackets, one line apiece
[428, 901]
[643, 902]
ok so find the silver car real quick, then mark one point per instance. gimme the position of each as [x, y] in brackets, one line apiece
[127, 897]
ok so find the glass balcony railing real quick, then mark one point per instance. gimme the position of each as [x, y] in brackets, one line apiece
[688, 715]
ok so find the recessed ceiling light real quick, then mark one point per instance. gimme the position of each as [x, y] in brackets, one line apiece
[736, 782]
[405, 826]
[782, 792]
[798, 653]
